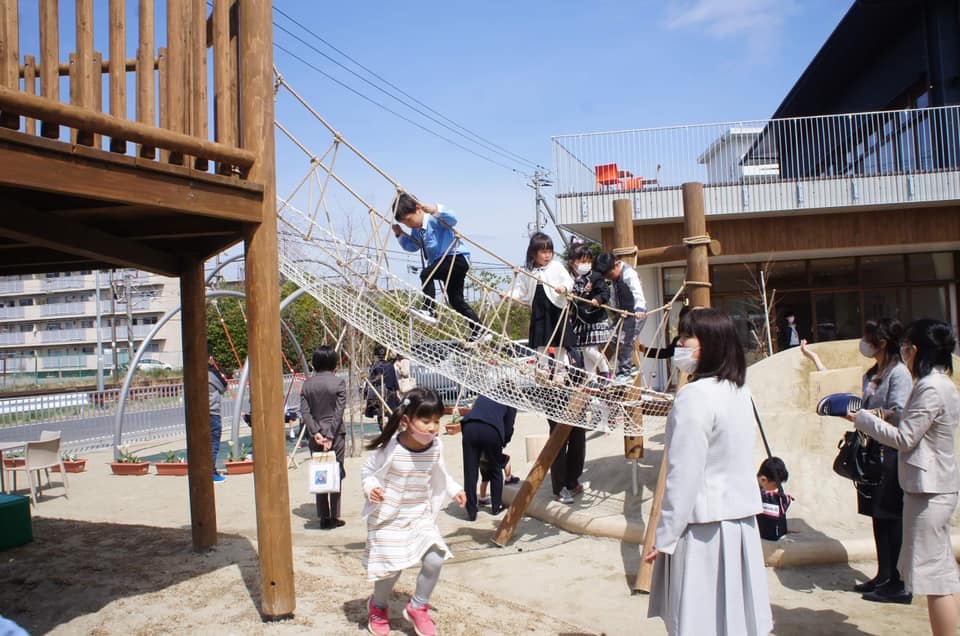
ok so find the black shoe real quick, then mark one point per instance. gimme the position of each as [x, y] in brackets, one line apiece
[471, 514]
[336, 523]
[868, 586]
[325, 524]
[495, 510]
[889, 593]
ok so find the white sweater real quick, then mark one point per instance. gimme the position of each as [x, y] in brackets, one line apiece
[552, 275]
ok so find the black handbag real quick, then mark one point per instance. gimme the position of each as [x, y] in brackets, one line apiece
[858, 459]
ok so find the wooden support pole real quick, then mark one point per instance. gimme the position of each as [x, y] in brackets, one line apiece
[203, 509]
[224, 78]
[49, 61]
[10, 55]
[164, 117]
[83, 74]
[118, 70]
[175, 92]
[198, 77]
[145, 73]
[694, 224]
[30, 87]
[97, 95]
[277, 596]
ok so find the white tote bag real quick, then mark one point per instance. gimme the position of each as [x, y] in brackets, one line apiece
[324, 473]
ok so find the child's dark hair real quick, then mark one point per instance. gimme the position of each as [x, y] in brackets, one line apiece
[774, 470]
[538, 241]
[578, 252]
[325, 358]
[604, 262]
[403, 206]
[416, 403]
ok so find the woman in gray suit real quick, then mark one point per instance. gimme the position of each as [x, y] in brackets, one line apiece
[927, 469]
[322, 401]
[708, 575]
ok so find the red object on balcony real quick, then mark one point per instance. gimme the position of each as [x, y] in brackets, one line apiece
[607, 175]
[634, 183]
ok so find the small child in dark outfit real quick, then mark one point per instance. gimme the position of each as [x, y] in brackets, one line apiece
[772, 522]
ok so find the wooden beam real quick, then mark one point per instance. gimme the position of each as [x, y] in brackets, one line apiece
[203, 508]
[63, 69]
[277, 593]
[48, 230]
[656, 255]
[107, 177]
[84, 119]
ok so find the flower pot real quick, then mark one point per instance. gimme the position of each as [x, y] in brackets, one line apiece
[171, 468]
[75, 466]
[13, 462]
[123, 468]
[241, 467]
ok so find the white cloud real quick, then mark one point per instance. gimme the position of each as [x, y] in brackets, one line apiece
[762, 19]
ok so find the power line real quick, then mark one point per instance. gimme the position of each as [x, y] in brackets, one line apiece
[467, 133]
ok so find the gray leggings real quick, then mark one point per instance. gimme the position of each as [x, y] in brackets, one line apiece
[426, 581]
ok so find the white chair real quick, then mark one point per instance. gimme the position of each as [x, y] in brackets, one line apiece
[43, 454]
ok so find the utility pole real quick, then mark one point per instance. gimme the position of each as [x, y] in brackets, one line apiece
[127, 296]
[541, 180]
[99, 334]
[113, 327]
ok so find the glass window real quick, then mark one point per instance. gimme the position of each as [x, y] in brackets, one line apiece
[931, 266]
[929, 302]
[877, 270]
[739, 277]
[672, 280]
[747, 315]
[799, 304]
[833, 272]
[786, 275]
[885, 303]
[838, 316]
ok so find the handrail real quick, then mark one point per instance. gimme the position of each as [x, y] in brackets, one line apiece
[83, 119]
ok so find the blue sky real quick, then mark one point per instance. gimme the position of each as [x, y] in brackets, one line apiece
[519, 72]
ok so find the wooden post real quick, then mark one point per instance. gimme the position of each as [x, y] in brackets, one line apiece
[30, 87]
[145, 77]
[49, 60]
[162, 64]
[84, 65]
[203, 509]
[225, 79]
[10, 56]
[175, 91]
[97, 93]
[623, 240]
[198, 77]
[698, 271]
[118, 68]
[263, 305]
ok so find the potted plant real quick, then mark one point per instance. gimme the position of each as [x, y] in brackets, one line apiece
[71, 462]
[172, 464]
[129, 464]
[241, 463]
[14, 459]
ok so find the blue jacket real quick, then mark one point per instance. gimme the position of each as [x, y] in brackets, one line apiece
[497, 415]
[434, 238]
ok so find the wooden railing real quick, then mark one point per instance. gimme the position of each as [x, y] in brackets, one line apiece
[173, 77]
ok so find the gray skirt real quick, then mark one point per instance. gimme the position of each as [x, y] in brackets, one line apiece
[926, 563]
[715, 582]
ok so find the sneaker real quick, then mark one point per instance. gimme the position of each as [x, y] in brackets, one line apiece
[578, 490]
[484, 501]
[425, 315]
[378, 619]
[565, 496]
[219, 479]
[626, 377]
[420, 617]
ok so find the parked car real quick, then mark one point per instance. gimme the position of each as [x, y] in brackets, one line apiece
[149, 364]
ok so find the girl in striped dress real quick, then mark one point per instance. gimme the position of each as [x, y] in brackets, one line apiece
[406, 484]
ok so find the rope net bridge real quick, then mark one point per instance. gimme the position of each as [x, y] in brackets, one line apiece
[319, 251]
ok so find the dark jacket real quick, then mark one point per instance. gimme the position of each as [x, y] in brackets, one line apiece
[500, 417]
[592, 286]
[322, 402]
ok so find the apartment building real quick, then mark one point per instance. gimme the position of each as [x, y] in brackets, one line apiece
[48, 322]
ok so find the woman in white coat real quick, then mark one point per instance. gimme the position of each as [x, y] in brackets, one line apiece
[709, 575]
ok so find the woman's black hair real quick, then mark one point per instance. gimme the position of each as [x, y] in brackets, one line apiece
[888, 331]
[420, 403]
[721, 354]
[935, 342]
[379, 352]
[538, 241]
[774, 469]
[403, 206]
[325, 358]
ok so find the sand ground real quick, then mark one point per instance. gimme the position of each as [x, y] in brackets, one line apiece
[115, 558]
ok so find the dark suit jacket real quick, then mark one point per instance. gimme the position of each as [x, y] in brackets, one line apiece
[322, 402]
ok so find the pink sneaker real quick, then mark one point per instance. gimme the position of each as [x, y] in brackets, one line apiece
[422, 623]
[378, 619]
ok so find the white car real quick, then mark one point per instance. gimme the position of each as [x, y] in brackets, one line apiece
[152, 364]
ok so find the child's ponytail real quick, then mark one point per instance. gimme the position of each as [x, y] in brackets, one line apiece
[417, 402]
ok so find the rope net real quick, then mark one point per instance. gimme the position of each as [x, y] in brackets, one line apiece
[320, 252]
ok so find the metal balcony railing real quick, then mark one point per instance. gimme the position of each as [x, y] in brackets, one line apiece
[823, 162]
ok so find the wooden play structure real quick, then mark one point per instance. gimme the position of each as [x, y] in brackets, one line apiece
[99, 189]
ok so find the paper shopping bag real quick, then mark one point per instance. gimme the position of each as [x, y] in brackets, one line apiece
[324, 476]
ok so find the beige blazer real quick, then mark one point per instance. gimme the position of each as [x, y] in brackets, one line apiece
[925, 436]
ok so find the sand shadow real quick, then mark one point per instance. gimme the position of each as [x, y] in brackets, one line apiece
[802, 620]
[839, 575]
[110, 561]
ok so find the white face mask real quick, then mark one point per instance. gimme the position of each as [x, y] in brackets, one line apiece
[685, 359]
[867, 350]
[583, 268]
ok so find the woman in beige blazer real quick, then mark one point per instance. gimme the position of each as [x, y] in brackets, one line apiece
[927, 466]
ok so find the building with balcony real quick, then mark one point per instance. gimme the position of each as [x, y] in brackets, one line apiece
[847, 199]
[48, 322]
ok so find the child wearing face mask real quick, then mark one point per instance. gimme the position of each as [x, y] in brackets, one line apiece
[590, 324]
[406, 484]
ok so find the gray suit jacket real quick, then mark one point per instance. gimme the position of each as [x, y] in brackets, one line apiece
[925, 436]
[322, 402]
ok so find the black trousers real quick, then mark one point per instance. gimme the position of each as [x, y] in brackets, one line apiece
[888, 536]
[568, 466]
[456, 265]
[479, 439]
